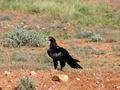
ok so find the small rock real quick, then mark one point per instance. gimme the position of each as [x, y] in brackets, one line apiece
[78, 79]
[118, 87]
[25, 26]
[65, 28]
[55, 78]
[38, 27]
[7, 73]
[43, 28]
[33, 73]
[60, 77]
[63, 77]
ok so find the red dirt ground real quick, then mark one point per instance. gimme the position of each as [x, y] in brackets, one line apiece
[88, 80]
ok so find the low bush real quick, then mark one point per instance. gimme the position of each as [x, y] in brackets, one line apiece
[89, 50]
[20, 37]
[26, 83]
[95, 37]
[81, 33]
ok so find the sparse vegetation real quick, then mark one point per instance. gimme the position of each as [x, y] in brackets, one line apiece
[2, 62]
[90, 64]
[20, 59]
[65, 35]
[100, 52]
[88, 50]
[80, 33]
[95, 37]
[85, 13]
[26, 83]
[26, 60]
[44, 61]
[116, 49]
[19, 56]
[20, 37]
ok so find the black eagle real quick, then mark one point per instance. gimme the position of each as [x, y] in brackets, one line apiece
[60, 54]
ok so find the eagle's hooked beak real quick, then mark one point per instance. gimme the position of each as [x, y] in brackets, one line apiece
[47, 39]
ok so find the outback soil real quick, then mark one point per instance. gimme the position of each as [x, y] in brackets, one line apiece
[106, 78]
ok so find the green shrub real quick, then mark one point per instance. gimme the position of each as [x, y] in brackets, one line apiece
[35, 9]
[88, 50]
[81, 33]
[26, 83]
[20, 37]
[95, 37]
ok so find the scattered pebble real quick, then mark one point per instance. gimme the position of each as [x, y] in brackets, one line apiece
[63, 77]
[55, 78]
[118, 87]
[78, 79]
[7, 73]
[60, 77]
[33, 73]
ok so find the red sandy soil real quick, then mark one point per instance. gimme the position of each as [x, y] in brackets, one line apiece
[78, 80]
